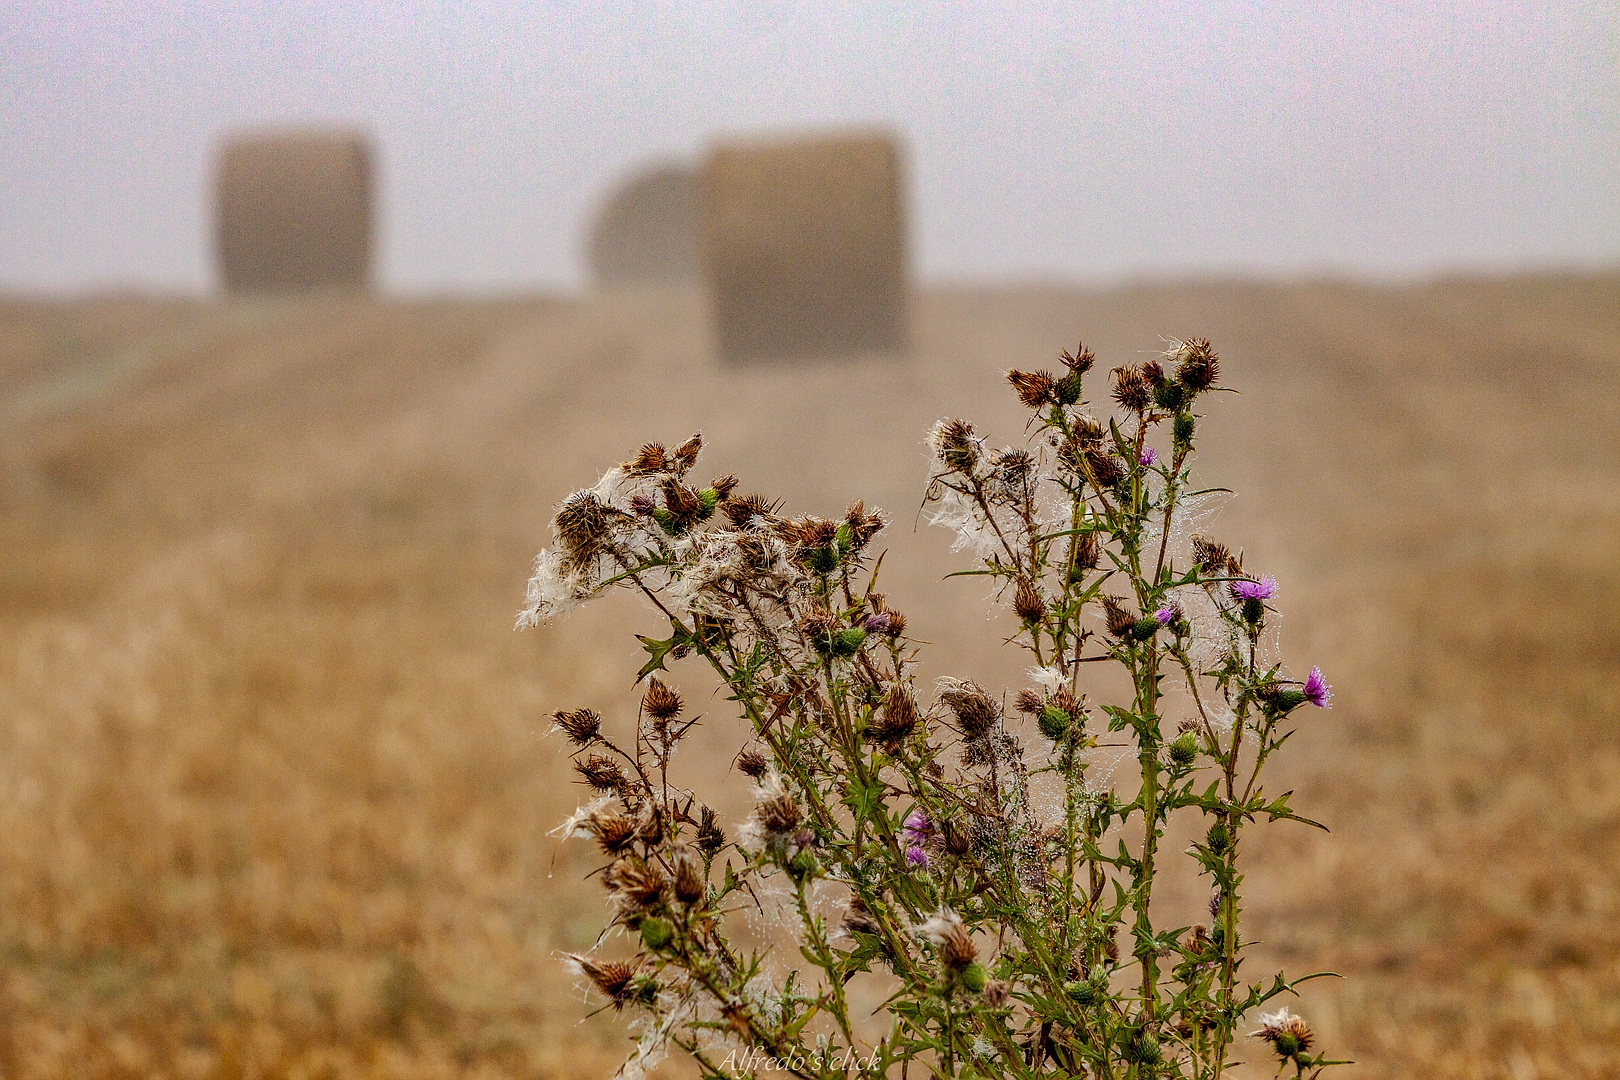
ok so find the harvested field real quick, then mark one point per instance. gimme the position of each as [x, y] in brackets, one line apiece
[273, 779]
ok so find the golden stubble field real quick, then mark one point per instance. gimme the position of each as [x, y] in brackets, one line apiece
[274, 785]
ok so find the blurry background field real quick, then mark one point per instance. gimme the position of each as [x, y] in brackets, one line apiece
[273, 780]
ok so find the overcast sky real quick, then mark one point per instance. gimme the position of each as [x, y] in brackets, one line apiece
[1084, 142]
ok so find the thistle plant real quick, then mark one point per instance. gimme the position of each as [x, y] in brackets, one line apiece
[987, 871]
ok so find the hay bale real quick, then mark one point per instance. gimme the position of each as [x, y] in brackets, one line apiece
[293, 212]
[803, 245]
[646, 233]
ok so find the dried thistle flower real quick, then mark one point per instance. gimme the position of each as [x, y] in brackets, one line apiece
[1035, 388]
[1080, 360]
[601, 772]
[581, 726]
[1106, 469]
[1197, 366]
[975, 710]
[955, 445]
[636, 885]
[1288, 1035]
[1131, 389]
[895, 722]
[752, 763]
[616, 833]
[711, 838]
[1027, 602]
[945, 931]
[651, 458]
[615, 978]
[686, 454]
[689, 885]
[1121, 621]
[660, 702]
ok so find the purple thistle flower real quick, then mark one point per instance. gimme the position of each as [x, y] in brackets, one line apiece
[916, 856]
[1148, 455]
[1248, 589]
[877, 623]
[1166, 615]
[917, 830]
[1317, 690]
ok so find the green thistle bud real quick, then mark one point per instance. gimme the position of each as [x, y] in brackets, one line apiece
[1253, 611]
[1083, 991]
[667, 521]
[708, 499]
[1170, 395]
[974, 977]
[803, 866]
[1054, 723]
[844, 539]
[1185, 749]
[1286, 1044]
[1286, 699]
[1183, 429]
[1141, 1047]
[1219, 839]
[1145, 628]
[823, 560]
[1068, 388]
[848, 642]
[656, 933]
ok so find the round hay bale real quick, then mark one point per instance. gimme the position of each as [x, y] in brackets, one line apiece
[803, 245]
[646, 233]
[293, 212]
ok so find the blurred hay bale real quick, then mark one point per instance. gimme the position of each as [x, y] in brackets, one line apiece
[293, 212]
[804, 248]
[646, 233]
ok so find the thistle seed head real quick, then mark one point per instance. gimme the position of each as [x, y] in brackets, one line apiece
[636, 885]
[689, 884]
[1197, 366]
[976, 711]
[1027, 602]
[1289, 1035]
[897, 719]
[1035, 388]
[686, 454]
[752, 763]
[955, 445]
[615, 979]
[1121, 621]
[1106, 469]
[601, 772]
[660, 702]
[614, 832]
[583, 525]
[1131, 389]
[581, 726]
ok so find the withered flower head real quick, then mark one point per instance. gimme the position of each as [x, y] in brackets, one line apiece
[1289, 1035]
[651, 458]
[1121, 622]
[1086, 431]
[744, 510]
[752, 763]
[1027, 602]
[1029, 702]
[614, 832]
[976, 711]
[1035, 388]
[1086, 551]
[1106, 469]
[710, 836]
[635, 884]
[777, 816]
[944, 930]
[660, 702]
[1214, 558]
[724, 485]
[615, 979]
[897, 719]
[858, 918]
[996, 993]
[956, 445]
[689, 884]
[1197, 365]
[582, 726]
[818, 624]
[682, 502]
[1131, 389]
[1153, 372]
[814, 532]
[1014, 467]
[601, 772]
[686, 454]
[1080, 360]
[957, 840]
[583, 524]
[862, 525]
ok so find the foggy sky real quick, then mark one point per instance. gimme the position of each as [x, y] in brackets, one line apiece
[1080, 142]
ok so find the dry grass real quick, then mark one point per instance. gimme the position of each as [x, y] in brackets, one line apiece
[272, 782]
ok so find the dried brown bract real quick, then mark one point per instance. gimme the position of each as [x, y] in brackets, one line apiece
[615, 978]
[689, 887]
[601, 772]
[1027, 602]
[1197, 366]
[1035, 388]
[581, 726]
[1131, 389]
[686, 454]
[895, 722]
[1121, 621]
[976, 712]
[752, 763]
[651, 458]
[660, 702]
